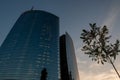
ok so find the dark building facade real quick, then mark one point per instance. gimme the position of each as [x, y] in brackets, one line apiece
[68, 64]
[31, 46]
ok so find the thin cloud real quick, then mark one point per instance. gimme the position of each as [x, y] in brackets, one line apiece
[89, 70]
[101, 76]
[112, 16]
[95, 65]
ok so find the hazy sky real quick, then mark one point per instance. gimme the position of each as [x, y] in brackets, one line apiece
[74, 15]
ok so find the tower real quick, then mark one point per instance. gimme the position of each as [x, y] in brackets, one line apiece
[68, 64]
[31, 46]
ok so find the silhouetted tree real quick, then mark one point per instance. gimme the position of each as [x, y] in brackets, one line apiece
[44, 74]
[97, 45]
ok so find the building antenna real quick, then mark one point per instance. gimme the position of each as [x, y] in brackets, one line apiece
[32, 8]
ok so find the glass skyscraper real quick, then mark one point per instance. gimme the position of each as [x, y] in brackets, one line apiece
[31, 46]
[68, 64]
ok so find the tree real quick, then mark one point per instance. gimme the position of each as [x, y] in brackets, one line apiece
[97, 45]
[44, 74]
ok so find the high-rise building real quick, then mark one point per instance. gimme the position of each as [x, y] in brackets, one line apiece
[68, 64]
[31, 49]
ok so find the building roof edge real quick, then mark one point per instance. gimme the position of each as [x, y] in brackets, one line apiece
[31, 10]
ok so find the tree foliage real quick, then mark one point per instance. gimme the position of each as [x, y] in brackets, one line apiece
[97, 44]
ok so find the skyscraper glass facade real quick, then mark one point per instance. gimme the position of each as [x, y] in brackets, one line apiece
[68, 64]
[31, 45]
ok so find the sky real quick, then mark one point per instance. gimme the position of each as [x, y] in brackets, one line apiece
[74, 15]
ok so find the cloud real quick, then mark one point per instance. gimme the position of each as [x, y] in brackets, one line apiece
[100, 76]
[90, 70]
[112, 16]
[82, 62]
[80, 56]
[95, 65]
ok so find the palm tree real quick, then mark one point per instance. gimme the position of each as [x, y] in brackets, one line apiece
[98, 47]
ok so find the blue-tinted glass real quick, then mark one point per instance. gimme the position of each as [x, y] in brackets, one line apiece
[71, 58]
[31, 45]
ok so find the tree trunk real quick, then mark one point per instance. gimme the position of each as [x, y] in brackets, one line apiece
[114, 67]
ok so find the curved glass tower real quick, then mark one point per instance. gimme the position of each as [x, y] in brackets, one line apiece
[68, 63]
[31, 46]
